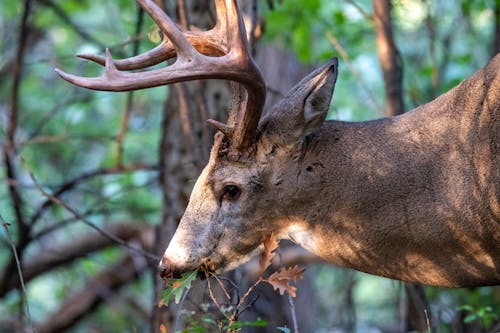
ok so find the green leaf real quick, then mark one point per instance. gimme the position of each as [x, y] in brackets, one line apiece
[240, 324]
[177, 287]
[284, 329]
[465, 308]
[470, 318]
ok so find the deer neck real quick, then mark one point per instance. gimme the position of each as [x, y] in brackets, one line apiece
[414, 197]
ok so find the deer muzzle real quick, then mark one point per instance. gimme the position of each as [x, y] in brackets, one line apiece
[166, 269]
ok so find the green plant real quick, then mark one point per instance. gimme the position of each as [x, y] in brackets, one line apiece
[484, 315]
[281, 280]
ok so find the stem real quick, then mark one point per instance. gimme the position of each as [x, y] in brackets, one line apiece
[19, 272]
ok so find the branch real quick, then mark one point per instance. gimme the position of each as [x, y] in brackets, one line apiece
[84, 177]
[9, 147]
[343, 54]
[389, 56]
[81, 218]
[96, 291]
[20, 277]
[360, 9]
[53, 257]
[130, 95]
[66, 19]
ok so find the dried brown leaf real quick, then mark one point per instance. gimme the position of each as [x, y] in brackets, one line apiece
[282, 280]
[270, 246]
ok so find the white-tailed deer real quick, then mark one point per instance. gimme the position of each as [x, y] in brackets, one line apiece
[414, 197]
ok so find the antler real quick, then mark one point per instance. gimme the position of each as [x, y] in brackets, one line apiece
[220, 53]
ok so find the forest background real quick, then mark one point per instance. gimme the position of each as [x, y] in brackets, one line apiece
[92, 184]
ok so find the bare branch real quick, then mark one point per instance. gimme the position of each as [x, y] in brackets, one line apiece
[360, 9]
[67, 20]
[84, 177]
[130, 96]
[103, 232]
[60, 255]
[96, 291]
[20, 275]
[9, 146]
[343, 54]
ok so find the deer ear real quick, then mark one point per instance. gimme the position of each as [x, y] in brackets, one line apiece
[303, 109]
[319, 87]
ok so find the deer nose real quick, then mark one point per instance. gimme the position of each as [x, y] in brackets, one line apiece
[165, 268]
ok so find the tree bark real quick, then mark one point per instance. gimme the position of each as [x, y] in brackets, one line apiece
[389, 57]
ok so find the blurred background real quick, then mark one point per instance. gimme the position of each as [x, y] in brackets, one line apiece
[92, 184]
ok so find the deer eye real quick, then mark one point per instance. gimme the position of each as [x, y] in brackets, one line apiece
[231, 192]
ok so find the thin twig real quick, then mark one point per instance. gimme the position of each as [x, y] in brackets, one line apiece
[181, 90]
[360, 9]
[120, 139]
[178, 316]
[293, 311]
[66, 19]
[222, 285]
[249, 305]
[245, 296]
[84, 177]
[427, 320]
[343, 54]
[214, 299]
[19, 271]
[294, 314]
[201, 107]
[80, 217]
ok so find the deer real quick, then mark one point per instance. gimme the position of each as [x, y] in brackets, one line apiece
[415, 197]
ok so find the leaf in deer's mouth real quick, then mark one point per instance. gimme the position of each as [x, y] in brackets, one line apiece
[177, 287]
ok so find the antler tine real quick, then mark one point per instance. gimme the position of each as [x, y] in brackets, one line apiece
[220, 53]
[169, 28]
[202, 41]
[153, 57]
[249, 101]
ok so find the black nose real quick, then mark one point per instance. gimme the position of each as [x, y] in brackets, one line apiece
[165, 268]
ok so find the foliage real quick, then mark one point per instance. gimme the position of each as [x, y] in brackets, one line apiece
[441, 42]
[485, 315]
[281, 280]
[177, 287]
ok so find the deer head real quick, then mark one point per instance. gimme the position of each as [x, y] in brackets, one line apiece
[237, 201]
[248, 151]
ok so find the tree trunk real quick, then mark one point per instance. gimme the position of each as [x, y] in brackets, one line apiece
[389, 57]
